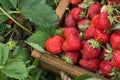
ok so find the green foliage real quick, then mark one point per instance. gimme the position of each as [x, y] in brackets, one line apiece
[15, 68]
[4, 50]
[38, 12]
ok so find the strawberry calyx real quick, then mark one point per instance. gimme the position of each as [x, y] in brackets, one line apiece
[85, 26]
[68, 59]
[115, 73]
[94, 43]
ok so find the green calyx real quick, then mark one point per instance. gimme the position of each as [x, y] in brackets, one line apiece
[85, 26]
[94, 43]
[68, 60]
[115, 74]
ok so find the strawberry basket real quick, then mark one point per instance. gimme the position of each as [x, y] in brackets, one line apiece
[56, 65]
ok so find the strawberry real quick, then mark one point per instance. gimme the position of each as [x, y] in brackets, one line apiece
[91, 64]
[101, 36]
[116, 59]
[83, 24]
[77, 13]
[104, 8]
[89, 33]
[106, 67]
[91, 49]
[75, 1]
[102, 21]
[113, 2]
[115, 40]
[71, 57]
[67, 31]
[72, 43]
[94, 9]
[69, 21]
[9, 22]
[54, 44]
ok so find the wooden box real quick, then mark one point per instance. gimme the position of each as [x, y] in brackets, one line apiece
[54, 64]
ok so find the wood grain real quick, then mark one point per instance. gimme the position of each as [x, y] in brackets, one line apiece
[55, 65]
[60, 10]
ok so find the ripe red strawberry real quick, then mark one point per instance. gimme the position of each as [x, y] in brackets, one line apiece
[69, 21]
[83, 24]
[94, 9]
[102, 21]
[54, 44]
[89, 33]
[106, 67]
[91, 64]
[75, 1]
[77, 13]
[101, 36]
[113, 2]
[91, 49]
[71, 57]
[72, 43]
[68, 31]
[115, 40]
[116, 59]
[9, 22]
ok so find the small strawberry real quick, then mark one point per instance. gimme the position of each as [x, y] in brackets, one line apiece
[68, 31]
[94, 9]
[69, 21]
[116, 59]
[91, 49]
[77, 13]
[54, 44]
[106, 67]
[71, 57]
[9, 22]
[75, 1]
[89, 33]
[102, 21]
[115, 40]
[113, 2]
[91, 64]
[101, 36]
[72, 43]
[83, 24]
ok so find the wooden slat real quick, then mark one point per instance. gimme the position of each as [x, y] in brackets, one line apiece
[61, 8]
[55, 65]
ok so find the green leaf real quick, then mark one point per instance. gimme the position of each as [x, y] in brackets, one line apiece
[20, 51]
[83, 77]
[3, 18]
[14, 3]
[2, 77]
[93, 79]
[117, 26]
[4, 50]
[39, 37]
[38, 12]
[37, 47]
[15, 68]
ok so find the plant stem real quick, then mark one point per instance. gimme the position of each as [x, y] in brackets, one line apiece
[8, 32]
[15, 21]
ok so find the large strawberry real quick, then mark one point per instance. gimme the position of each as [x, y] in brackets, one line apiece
[106, 67]
[69, 21]
[93, 10]
[116, 59]
[91, 49]
[71, 57]
[115, 40]
[75, 1]
[77, 13]
[89, 33]
[83, 24]
[68, 31]
[102, 21]
[54, 44]
[72, 43]
[101, 36]
[91, 64]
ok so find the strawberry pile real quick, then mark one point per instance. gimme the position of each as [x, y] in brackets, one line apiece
[90, 36]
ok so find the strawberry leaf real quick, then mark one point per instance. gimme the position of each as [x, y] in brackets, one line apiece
[15, 68]
[83, 77]
[3, 18]
[117, 26]
[38, 12]
[4, 50]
